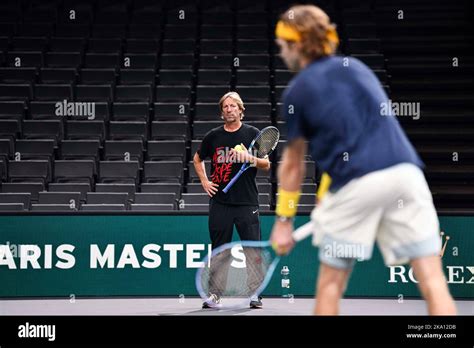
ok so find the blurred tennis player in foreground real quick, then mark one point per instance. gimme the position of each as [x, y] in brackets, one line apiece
[378, 191]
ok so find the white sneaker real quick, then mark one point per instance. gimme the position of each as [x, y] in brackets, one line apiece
[213, 301]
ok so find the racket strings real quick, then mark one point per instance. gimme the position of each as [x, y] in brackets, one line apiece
[267, 141]
[236, 273]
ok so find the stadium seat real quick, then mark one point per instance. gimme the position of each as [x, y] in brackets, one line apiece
[128, 130]
[171, 111]
[166, 150]
[120, 172]
[131, 150]
[167, 187]
[163, 171]
[31, 188]
[129, 189]
[152, 207]
[73, 199]
[161, 130]
[74, 171]
[29, 171]
[136, 111]
[103, 207]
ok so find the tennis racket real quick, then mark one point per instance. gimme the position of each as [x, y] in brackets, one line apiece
[263, 144]
[238, 271]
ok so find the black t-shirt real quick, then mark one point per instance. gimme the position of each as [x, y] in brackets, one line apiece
[216, 145]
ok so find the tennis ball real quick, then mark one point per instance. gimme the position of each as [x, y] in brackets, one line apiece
[238, 148]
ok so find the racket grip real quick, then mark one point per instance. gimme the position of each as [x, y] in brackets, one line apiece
[234, 179]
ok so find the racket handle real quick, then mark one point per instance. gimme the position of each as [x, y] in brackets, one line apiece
[234, 179]
[303, 232]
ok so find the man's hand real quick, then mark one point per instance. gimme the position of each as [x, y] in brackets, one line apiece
[210, 187]
[242, 156]
[281, 238]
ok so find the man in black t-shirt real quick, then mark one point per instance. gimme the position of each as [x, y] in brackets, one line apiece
[239, 205]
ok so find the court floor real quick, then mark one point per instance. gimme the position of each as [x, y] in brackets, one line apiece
[192, 306]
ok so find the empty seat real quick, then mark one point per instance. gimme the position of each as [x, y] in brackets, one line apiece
[194, 198]
[10, 129]
[253, 77]
[177, 61]
[53, 207]
[171, 111]
[24, 59]
[78, 171]
[166, 149]
[18, 187]
[63, 59]
[169, 130]
[137, 76]
[28, 44]
[173, 93]
[210, 93]
[213, 32]
[17, 75]
[94, 93]
[141, 45]
[97, 76]
[214, 76]
[46, 129]
[204, 208]
[16, 92]
[155, 198]
[102, 60]
[34, 149]
[216, 46]
[141, 93]
[175, 77]
[82, 188]
[215, 61]
[163, 171]
[40, 110]
[135, 111]
[125, 150]
[11, 207]
[129, 189]
[152, 207]
[251, 46]
[66, 44]
[109, 31]
[103, 207]
[73, 199]
[139, 31]
[29, 171]
[107, 198]
[252, 61]
[167, 187]
[119, 172]
[57, 75]
[85, 130]
[254, 93]
[195, 188]
[139, 61]
[128, 130]
[79, 149]
[23, 198]
[53, 92]
[104, 45]
[178, 46]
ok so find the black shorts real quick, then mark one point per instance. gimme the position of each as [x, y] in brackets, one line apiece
[222, 218]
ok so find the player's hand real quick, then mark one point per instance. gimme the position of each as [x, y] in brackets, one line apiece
[210, 187]
[281, 238]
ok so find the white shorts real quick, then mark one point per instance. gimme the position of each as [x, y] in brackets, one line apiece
[392, 206]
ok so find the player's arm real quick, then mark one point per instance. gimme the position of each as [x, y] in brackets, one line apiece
[292, 169]
[291, 172]
[199, 166]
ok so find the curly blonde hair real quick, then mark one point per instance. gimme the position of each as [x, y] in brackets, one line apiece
[318, 35]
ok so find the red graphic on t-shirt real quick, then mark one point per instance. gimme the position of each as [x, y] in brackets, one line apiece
[222, 169]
